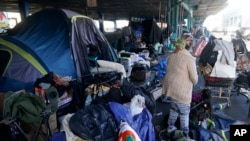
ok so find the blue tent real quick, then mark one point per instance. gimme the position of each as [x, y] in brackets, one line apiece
[51, 40]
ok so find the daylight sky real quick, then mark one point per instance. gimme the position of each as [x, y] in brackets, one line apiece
[232, 5]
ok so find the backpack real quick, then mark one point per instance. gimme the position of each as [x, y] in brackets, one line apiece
[129, 90]
[22, 105]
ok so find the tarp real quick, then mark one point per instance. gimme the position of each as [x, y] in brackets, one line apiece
[152, 32]
[84, 35]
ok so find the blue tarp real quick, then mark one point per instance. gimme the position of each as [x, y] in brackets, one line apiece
[161, 68]
[141, 123]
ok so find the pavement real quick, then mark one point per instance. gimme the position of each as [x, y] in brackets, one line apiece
[238, 109]
[240, 105]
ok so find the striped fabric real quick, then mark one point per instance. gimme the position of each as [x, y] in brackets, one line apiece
[181, 110]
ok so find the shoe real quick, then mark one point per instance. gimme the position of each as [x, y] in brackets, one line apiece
[170, 130]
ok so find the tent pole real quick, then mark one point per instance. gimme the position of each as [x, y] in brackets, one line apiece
[160, 12]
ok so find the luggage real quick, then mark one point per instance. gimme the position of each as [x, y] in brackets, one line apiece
[140, 72]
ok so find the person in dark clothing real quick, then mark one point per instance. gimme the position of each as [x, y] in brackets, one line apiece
[167, 31]
[208, 56]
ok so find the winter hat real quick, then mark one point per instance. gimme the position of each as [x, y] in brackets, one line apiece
[180, 44]
[187, 35]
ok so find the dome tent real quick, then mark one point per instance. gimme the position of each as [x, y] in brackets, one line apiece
[50, 40]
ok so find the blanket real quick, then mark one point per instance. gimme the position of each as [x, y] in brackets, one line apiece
[227, 51]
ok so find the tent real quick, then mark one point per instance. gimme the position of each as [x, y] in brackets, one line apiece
[51, 40]
[151, 32]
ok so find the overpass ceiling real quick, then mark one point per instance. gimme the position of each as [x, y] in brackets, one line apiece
[117, 9]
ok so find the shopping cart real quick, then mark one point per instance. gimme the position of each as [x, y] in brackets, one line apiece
[223, 84]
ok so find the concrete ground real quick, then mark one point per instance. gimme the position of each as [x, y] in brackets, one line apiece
[239, 104]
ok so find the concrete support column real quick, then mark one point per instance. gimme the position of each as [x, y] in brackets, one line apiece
[24, 9]
[190, 19]
[101, 21]
[174, 16]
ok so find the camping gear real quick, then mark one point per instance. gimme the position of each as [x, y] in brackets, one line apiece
[94, 122]
[22, 109]
[152, 33]
[140, 72]
[215, 74]
[141, 123]
[51, 29]
[142, 76]
[129, 89]
[104, 87]
[148, 84]
[124, 94]
[160, 68]
[59, 36]
[5, 58]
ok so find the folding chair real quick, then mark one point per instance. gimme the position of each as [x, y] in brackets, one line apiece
[30, 109]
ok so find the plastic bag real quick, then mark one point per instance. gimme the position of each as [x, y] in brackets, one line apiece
[137, 104]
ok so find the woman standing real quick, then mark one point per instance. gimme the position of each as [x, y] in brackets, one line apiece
[178, 84]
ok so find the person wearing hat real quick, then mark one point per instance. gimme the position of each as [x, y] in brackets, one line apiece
[189, 40]
[181, 76]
